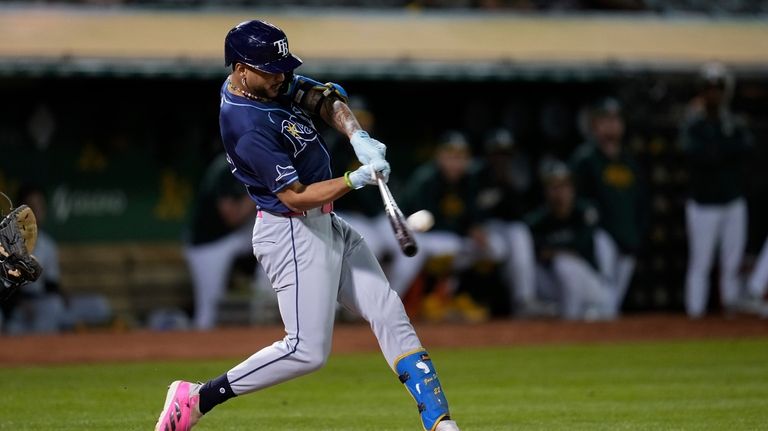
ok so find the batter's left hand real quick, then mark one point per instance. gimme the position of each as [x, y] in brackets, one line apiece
[366, 148]
[382, 167]
[366, 174]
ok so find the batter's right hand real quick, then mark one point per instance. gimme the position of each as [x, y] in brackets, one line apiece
[366, 148]
[366, 174]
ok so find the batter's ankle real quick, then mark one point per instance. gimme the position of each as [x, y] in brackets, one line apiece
[215, 392]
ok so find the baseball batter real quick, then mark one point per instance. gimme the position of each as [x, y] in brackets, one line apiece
[311, 256]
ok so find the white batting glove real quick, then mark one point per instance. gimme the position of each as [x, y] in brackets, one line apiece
[366, 148]
[366, 174]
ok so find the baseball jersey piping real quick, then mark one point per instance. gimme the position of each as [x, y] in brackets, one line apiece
[229, 102]
[288, 182]
[298, 329]
[330, 170]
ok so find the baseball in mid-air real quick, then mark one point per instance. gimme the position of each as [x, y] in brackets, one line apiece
[421, 221]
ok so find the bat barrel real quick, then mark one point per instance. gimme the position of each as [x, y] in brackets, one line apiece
[410, 249]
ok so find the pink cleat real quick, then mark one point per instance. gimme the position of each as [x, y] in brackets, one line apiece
[181, 411]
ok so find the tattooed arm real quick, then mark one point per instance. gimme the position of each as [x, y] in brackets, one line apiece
[330, 102]
[338, 115]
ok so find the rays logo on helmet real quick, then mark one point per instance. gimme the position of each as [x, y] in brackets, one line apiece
[282, 46]
[260, 45]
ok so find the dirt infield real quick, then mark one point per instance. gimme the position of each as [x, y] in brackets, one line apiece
[241, 342]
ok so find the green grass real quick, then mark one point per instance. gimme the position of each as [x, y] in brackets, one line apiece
[714, 385]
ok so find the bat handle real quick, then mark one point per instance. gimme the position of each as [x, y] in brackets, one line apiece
[380, 182]
[385, 193]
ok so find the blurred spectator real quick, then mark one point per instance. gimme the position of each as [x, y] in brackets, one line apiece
[608, 176]
[556, 251]
[716, 144]
[38, 307]
[506, 183]
[447, 187]
[219, 232]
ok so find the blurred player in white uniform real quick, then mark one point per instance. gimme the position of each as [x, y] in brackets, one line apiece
[608, 177]
[506, 195]
[758, 281]
[447, 187]
[219, 232]
[556, 252]
[716, 145]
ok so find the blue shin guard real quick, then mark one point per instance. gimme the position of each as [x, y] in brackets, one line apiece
[418, 375]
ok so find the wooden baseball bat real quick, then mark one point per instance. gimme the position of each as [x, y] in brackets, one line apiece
[403, 234]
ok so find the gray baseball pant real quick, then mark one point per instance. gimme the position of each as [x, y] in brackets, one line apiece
[312, 262]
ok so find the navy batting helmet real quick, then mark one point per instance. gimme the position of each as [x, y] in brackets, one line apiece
[260, 45]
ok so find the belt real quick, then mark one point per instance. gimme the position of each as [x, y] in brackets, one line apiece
[325, 209]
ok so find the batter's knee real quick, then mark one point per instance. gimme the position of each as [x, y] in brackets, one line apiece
[316, 362]
[312, 360]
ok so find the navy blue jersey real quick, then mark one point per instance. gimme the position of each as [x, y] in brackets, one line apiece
[269, 145]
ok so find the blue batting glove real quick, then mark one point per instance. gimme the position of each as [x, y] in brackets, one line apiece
[366, 174]
[366, 148]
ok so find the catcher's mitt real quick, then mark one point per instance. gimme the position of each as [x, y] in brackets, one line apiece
[18, 234]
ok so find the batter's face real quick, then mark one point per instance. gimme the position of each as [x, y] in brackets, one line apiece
[261, 84]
